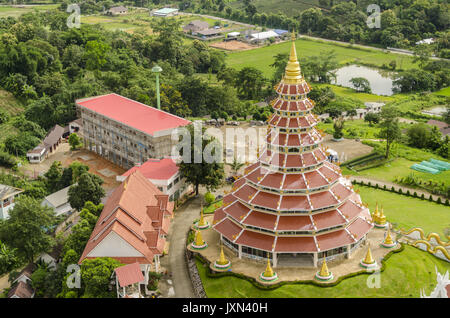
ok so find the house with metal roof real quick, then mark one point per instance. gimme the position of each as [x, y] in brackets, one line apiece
[59, 201]
[7, 198]
[165, 12]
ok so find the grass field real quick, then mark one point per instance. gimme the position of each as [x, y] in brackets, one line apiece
[405, 275]
[262, 57]
[399, 168]
[408, 212]
[10, 11]
[443, 92]
[288, 7]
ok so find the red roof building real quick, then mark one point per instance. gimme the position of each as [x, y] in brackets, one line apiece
[164, 173]
[133, 225]
[125, 131]
[128, 278]
[292, 205]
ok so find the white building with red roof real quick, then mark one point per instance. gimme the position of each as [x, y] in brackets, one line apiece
[125, 131]
[164, 173]
[133, 225]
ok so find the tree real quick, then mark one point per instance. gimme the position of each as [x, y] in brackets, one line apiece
[27, 228]
[372, 118]
[338, 128]
[209, 198]
[75, 141]
[279, 65]
[390, 129]
[8, 258]
[418, 135]
[88, 188]
[203, 173]
[361, 84]
[96, 277]
[446, 115]
[235, 165]
[95, 54]
[352, 113]
[249, 83]
[53, 176]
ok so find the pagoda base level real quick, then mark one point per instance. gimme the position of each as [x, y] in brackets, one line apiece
[198, 247]
[322, 278]
[268, 279]
[368, 266]
[388, 245]
[204, 227]
[381, 226]
[221, 268]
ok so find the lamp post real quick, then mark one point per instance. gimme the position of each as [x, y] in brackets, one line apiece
[156, 69]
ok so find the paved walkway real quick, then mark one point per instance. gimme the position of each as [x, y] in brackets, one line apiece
[175, 261]
[389, 185]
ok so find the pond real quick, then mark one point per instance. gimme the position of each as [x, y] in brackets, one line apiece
[381, 82]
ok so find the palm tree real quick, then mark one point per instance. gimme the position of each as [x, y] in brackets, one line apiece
[235, 165]
[8, 258]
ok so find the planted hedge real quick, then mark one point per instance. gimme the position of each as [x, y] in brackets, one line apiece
[254, 282]
[399, 191]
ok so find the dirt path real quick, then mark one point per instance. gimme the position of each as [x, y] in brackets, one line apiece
[389, 185]
[175, 262]
[4, 282]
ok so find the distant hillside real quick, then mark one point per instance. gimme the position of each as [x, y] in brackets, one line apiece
[9, 103]
[288, 7]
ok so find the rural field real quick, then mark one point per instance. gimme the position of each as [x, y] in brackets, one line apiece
[15, 11]
[405, 275]
[263, 57]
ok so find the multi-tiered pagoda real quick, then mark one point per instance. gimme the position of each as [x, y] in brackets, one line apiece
[292, 205]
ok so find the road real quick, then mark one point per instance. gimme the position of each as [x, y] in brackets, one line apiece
[175, 261]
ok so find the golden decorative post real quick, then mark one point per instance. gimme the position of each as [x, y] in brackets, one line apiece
[222, 264]
[388, 241]
[198, 243]
[368, 261]
[268, 275]
[324, 274]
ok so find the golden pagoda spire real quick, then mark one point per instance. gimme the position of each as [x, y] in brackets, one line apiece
[268, 272]
[369, 259]
[199, 239]
[324, 270]
[293, 74]
[376, 210]
[202, 222]
[388, 240]
[222, 259]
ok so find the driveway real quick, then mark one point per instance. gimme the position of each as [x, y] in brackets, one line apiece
[179, 284]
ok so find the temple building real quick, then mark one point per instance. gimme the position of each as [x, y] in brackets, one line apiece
[292, 205]
[133, 225]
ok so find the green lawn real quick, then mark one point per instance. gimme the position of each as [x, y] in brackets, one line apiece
[443, 92]
[262, 57]
[364, 97]
[399, 168]
[408, 212]
[211, 208]
[405, 275]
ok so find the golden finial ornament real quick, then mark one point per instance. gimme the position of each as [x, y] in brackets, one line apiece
[268, 272]
[222, 259]
[324, 270]
[369, 259]
[202, 222]
[293, 74]
[388, 240]
[199, 239]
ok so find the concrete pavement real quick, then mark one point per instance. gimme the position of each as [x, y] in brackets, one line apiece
[178, 283]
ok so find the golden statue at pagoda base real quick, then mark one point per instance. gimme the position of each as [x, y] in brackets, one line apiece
[222, 264]
[368, 262]
[324, 274]
[268, 275]
[379, 219]
[198, 243]
[202, 224]
[388, 241]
